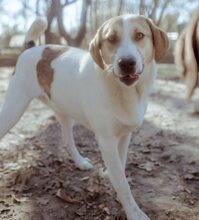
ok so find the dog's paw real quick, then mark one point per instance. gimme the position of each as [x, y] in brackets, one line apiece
[139, 215]
[84, 164]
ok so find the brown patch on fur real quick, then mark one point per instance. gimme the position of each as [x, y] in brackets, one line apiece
[45, 72]
[96, 44]
[160, 40]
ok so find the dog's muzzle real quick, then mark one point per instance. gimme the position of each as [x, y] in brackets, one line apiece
[127, 65]
[129, 74]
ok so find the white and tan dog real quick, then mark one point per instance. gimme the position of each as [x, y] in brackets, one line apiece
[106, 90]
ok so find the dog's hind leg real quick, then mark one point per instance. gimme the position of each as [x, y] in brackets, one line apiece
[17, 100]
[67, 133]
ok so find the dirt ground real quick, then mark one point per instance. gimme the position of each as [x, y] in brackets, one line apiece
[38, 181]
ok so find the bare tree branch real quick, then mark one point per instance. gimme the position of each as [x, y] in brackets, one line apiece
[50, 16]
[162, 11]
[58, 9]
[82, 30]
[142, 7]
[68, 2]
[121, 3]
[59, 15]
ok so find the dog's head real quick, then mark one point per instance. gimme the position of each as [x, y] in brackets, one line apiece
[125, 44]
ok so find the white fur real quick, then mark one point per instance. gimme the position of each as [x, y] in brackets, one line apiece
[81, 91]
[127, 48]
[36, 30]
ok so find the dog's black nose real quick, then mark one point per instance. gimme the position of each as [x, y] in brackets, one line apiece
[127, 65]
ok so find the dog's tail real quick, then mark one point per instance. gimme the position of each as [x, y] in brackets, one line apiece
[37, 28]
[18, 95]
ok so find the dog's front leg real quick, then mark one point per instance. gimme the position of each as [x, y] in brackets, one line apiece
[67, 134]
[111, 157]
[123, 148]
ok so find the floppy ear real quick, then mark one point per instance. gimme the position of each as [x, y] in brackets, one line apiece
[95, 47]
[160, 40]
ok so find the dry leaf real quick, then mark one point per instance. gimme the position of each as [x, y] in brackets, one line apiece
[82, 211]
[15, 199]
[120, 216]
[43, 201]
[4, 211]
[62, 194]
[189, 176]
[148, 166]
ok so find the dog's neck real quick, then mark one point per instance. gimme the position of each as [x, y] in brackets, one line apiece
[145, 84]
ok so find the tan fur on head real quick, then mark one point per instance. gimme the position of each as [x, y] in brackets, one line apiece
[160, 40]
[95, 47]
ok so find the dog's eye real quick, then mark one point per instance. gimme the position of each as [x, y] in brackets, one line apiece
[112, 39]
[139, 36]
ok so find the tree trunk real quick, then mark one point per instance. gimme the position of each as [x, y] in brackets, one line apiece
[56, 11]
[121, 3]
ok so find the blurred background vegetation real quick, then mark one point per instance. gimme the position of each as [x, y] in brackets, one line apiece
[74, 22]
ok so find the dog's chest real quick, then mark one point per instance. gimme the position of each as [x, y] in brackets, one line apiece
[129, 110]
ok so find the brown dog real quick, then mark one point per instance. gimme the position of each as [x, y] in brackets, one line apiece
[187, 55]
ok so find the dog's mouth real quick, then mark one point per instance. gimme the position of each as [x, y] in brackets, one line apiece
[127, 78]
[131, 78]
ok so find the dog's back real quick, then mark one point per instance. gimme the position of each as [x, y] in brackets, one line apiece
[52, 73]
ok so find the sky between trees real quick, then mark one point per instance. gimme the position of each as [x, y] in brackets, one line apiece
[75, 19]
